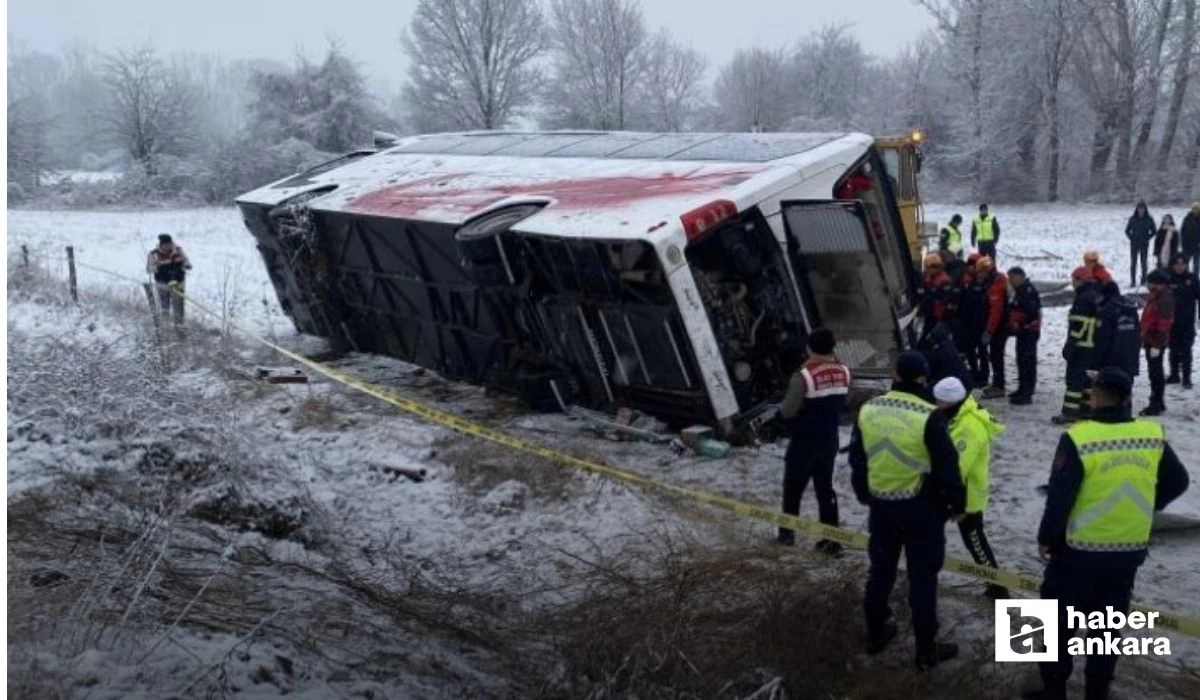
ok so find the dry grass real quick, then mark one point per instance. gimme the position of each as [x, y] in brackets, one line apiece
[482, 466]
[315, 412]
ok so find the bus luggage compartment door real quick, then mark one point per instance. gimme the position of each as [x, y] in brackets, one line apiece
[842, 280]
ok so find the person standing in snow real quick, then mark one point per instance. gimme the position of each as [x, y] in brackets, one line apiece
[903, 465]
[1140, 231]
[1185, 285]
[1025, 324]
[995, 330]
[939, 294]
[972, 430]
[970, 321]
[1166, 242]
[1092, 539]
[1079, 346]
[950, 238]
[985, 233]
[814, 402]
[1156, 324]
[1189, 237]
[1118, 337]
[168, 265]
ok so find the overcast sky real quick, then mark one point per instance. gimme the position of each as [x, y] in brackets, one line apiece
[369, 29]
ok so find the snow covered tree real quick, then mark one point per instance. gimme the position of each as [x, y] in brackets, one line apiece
[149, 108]
[599, 48]
[751, 92]
[473, 62]
[30, 116]
[670, 94]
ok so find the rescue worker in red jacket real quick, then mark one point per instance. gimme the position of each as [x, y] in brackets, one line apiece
[1095, 270]
[1024, 323]
[168, 265]
[940, 297]
[1156, 336]
[995, 329]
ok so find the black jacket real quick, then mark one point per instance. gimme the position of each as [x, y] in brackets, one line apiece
[1140, 229]
[1187, 304]
[1189, 233]
[943, 358]
[1066, 476]
[943, 488]
[1118, 336]
[1025, 310]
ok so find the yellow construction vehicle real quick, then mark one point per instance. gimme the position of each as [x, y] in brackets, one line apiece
[902, 157]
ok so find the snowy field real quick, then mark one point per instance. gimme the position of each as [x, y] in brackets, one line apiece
[498, 522]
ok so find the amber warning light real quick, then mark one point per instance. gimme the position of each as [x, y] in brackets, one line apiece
[916, 136]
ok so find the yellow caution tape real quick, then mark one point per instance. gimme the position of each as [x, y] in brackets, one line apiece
[850, 538]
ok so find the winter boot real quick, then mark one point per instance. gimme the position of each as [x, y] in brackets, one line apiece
[1173, 378]
[941, 651]
[996, 592]
[1154, 409]
[879, 641]
[993, 392]
[1020, 399]
[1065, 419]
[786, 538]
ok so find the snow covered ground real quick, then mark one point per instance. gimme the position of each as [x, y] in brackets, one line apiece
[497, 521]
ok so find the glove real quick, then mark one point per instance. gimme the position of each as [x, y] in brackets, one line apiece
[1092, 374]
[986, 338]
[1155, 352]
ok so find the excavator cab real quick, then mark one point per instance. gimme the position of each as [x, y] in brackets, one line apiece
[902, 160]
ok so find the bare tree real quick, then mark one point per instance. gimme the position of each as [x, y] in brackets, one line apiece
[149, 107]
[473, 62]
[1183, 75]
[1061, 20]
[670, 92]
[1153, 80]
[752, 91]
[598, 62]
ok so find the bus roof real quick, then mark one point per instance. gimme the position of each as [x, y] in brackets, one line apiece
[594, 184]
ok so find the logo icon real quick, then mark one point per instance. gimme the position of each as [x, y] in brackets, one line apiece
[1027, 630]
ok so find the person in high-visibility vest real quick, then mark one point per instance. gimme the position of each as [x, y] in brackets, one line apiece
[950, 240]
[1110, 474]
[905, 468]
[972, 429]
[985, 232]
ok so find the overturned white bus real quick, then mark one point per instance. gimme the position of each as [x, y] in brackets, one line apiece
[677, 274]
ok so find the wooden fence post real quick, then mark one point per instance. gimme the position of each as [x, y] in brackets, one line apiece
[24, 255]
[72, 282]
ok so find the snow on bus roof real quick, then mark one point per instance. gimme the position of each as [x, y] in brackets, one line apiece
[594, 184]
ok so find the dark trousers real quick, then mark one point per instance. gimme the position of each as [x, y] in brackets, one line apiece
[996, 357]
[919, 530]
[1182, 341]
[976, 354]
[807, 459]
[988, 248]
[1077, 400]
[1137, 251]
[1027, 343]
[971, 528]
[1158, 378]
[170, 303]
[1087, 589]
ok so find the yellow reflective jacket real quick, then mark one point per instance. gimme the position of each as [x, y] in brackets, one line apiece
[972, 432]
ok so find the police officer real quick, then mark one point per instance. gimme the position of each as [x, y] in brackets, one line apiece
[972, 429]
[1110, 474]
[168, 264]
[905, 468]
[985, 232]
[814, 403]
[1077, 351]
[950, 238]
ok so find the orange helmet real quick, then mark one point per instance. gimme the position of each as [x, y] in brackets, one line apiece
[1091, 257]
[984, 263]
[934, 261]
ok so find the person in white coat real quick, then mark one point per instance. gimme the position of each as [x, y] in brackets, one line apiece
[1166, 242]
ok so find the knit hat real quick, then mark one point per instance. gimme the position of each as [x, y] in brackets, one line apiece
[949, 391]
[911, 366]
[1157, 277]
[164, 238]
